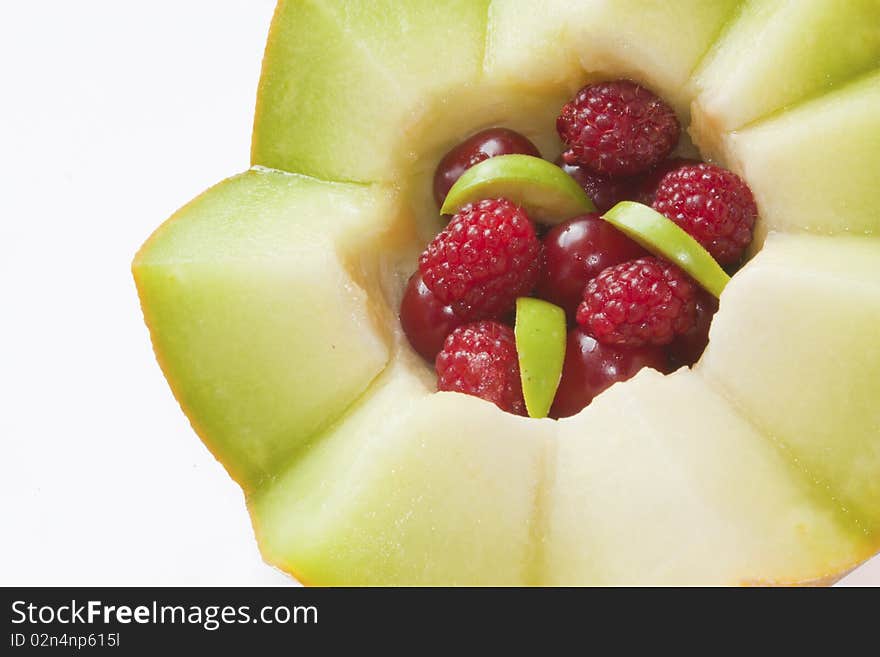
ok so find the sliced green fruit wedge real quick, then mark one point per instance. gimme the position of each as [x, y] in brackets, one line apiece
[665, 238]
[547, 193]
[540, 345]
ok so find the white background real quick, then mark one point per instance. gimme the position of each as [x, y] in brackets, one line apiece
[112, 115]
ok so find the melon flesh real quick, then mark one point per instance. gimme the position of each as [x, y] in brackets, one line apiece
[816, 168]
[778, 53]
[343, 79]
[255, 315]
[660, 481]
[562, 43]
[795, 347]
[410, 488]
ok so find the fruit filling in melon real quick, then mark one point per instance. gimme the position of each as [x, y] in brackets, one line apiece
[620, 241]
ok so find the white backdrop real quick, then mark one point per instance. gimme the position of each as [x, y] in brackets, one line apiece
[112, 115]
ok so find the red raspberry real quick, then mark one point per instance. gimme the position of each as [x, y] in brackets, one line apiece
[641, 302]
[480, 359]
[714, 205]
[647, 187]
[617, 129]
[484, 259]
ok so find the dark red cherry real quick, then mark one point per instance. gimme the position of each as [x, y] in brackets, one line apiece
[686, 349]
[575, 251]
[425, 320]
[647, 187]
[475, 149]
[591, 367]
[605, 192]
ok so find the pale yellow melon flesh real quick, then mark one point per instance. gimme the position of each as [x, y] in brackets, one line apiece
[262, 310]
[778, 53]
[410, 488]
[660, 481]
[563, 43]
[795, 348]
[816, 168]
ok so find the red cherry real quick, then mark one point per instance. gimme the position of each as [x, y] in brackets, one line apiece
[425, 320]
[576, 251]
[475, 149]
[604, 191]
[591, 367]
[686, 349]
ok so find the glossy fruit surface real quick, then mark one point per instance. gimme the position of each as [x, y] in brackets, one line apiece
[425, 320]
[591, 368]
[475, 149]
[575, 252]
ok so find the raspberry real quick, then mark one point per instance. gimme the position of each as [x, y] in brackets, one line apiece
[647, 187]
[480, 359]
[714, 205]
[617, 129]
[642, 302]
[484, 259]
